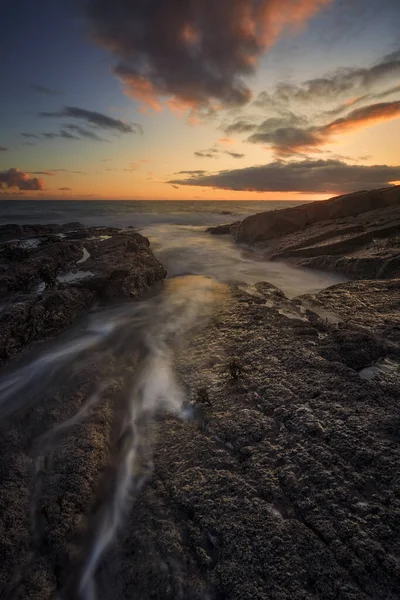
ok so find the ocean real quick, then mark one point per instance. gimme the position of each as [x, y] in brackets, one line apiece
[177, 235]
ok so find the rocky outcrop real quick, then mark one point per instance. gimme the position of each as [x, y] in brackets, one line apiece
[47, 281]
[269, 225]
[356, 234]
[284, 486]
[228, 228]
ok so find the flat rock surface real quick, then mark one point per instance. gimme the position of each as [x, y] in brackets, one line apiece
[284, 485]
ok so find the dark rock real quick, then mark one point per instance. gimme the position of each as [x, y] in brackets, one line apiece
[287, 488]
[272, 224]
[228, 228]
[43, 290]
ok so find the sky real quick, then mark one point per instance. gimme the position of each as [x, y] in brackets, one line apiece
[198, 99]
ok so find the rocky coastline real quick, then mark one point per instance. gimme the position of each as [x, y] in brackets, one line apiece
[285, 483]
[355, 234]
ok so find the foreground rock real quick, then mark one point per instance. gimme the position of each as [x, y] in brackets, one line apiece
[356, 234]
[48, 280]
[285, 485]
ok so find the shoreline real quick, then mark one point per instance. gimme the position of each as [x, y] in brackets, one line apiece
[286, 469]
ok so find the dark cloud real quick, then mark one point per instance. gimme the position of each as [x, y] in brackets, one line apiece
[31, 135]
[48, 173]
[194, 172]
[196, 52]
[66, 171]
[286, 139]
[95, 118]
[42, 89]
[14, 178]
[308, 176]
[240, 126]
[216, 151]
[85, 133]
[210, 153]
[284, 133]
[62, 134]
[234, 154]
[65, 189]
[29, 144]
[3, 149]
[175, 186]
[341, 81]
[289, 140]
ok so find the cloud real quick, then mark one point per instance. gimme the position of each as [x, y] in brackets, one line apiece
[41, 89]
[211, 153]
[95, 118]
[62, 134]
[85, 133]
[194, 53]
[240, 126]
[234, 154]
[286, 140]
[290, 140]
[175, 186]
[66, 171]
[14, 178]
[340, 82]
[48, 173]
[3, 149]
[65, 189]
[193, 172]
[307, 176]
[226, 141]
[31, 135]
[362, 117]
[215, 152]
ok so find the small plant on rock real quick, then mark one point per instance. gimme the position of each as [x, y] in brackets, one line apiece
[203, 396]
[235, 369]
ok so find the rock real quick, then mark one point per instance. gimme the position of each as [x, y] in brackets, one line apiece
[356, 234]
[287, 486]
[43, 290]
[269, 225]
[12, 231]
[228, 228]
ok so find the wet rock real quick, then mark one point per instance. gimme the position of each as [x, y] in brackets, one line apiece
[43, 289]
[268, 225]
[228, 228]
[287, 488]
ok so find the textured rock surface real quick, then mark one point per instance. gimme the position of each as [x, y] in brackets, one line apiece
[47, 281]
[229, 228]
[265, 226]
[286, 486]
[357, 234]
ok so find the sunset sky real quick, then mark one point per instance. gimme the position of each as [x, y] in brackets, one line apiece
[198, 99]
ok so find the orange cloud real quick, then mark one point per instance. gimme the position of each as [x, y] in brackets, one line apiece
[140, 88]
[226, 141]
[363, 117]
[285, 139]
[275, 16]
[198, 52]
[14, 178]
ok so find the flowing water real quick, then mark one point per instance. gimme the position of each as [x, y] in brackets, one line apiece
[177, 235]
[198, 265]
